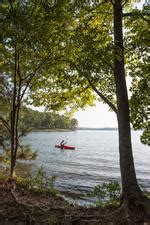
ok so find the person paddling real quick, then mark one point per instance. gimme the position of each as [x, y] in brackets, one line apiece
[62, 143]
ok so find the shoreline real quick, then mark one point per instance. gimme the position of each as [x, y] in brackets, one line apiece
[77, 129]
[51, 130]
[18, 206]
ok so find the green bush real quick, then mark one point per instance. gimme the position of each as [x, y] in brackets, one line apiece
[107, 194]
[3, 176]
[39, 183]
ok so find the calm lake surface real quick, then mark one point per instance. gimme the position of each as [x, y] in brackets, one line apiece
[95, 160]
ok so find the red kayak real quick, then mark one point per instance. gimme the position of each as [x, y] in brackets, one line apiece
[65, 147]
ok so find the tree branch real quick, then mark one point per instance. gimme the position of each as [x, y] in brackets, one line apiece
[106, 62]
[11, 4]
[106, 100]
[132, 14]
[5, 123]
[84, 89]
[31, 75]
[124, 3]
[112, 2]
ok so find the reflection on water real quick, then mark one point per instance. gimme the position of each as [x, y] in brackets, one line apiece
[94, 161]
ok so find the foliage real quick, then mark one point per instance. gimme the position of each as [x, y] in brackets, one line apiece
[5, 159]
[73, 58]
[87, 37]
[24, 153]
[140, 107]
[5, 95]
[35, 119]
[74, 124]
[107, 194]
[137, 54]
[32, 46]
[3, 176]
[26, 53]
[39, 183]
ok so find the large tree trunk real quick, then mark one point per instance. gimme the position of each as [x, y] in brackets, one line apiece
[131, 190]
[128, 176]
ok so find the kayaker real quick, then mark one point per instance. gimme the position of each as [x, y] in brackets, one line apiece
[62, 143]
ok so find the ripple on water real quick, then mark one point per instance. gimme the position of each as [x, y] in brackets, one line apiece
[95, 160]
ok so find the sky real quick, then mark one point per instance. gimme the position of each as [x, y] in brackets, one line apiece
[98, 116]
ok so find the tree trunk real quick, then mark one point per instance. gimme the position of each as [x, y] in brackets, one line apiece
[13, 139]
[13, 119]
[15, 114]
[128, 175]
[132, 194]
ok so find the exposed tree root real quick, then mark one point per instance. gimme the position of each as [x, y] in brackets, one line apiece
[29, 207]
[20, 207]
[134, 210]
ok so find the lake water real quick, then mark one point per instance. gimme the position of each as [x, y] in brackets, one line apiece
[94, 161]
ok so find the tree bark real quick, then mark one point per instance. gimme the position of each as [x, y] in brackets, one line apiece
[13, 118]
[15, 113]
[128, 175]
[134, 201]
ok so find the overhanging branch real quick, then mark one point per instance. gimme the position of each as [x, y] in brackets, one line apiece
[130, 14]
[106, 100]
[31, 75]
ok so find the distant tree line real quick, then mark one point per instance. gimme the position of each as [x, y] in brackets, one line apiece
[29, 120]
[35, 120]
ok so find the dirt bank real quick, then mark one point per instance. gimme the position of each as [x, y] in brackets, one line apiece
[21, 207]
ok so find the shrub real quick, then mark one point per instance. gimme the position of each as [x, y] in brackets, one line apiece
[39, 183]
[107, 194]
